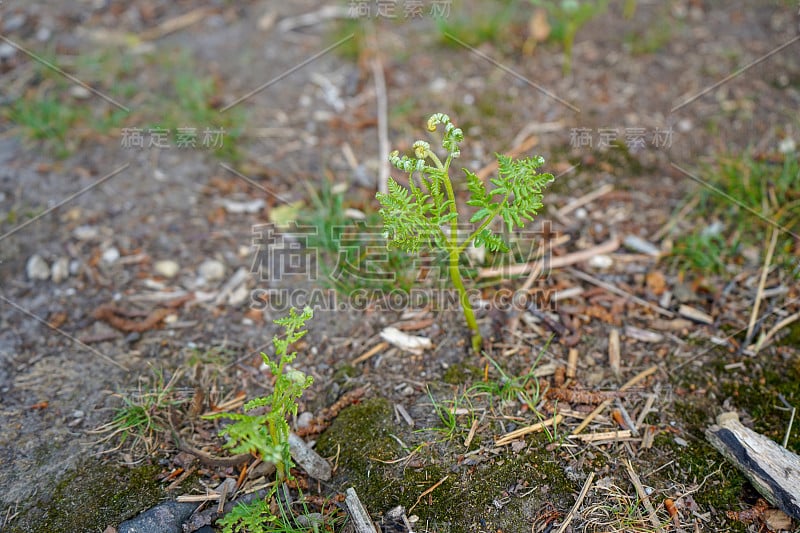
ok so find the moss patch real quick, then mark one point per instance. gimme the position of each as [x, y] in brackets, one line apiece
[91, 497]
[477, 492]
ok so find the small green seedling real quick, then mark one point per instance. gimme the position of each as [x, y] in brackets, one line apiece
[567, 17]
[426, 213]
[267, 434]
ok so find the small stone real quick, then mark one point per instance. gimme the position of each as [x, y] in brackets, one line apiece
[43, 34]
[133, 337]
[7, 51]
[60, 269]
[438, 85]
[166, 517]
[80, 92]
[601, 261]
[235, 207]
[211, 270]
[166, 268]
[304, 420]
[787, 146]
[110, 255]
[14, 22]
[310, 520]
[85, 233]
[37, 268]
[74, 267]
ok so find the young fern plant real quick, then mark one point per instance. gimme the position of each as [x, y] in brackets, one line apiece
[426, 214]
[267, 434]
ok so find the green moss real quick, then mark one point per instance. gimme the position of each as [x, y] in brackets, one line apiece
[461, 373]
[470, 497]
[91, 497]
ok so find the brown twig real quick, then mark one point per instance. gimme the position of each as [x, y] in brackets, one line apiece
[428, 491]
[630, 383]
[578, 502]
[619, 292]
[637, 484]
[553, 262]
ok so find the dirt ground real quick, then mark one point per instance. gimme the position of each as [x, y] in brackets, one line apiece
[151, 254]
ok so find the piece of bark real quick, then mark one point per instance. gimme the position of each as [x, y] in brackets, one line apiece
[314, 465]
[772, 469]
[362, 523]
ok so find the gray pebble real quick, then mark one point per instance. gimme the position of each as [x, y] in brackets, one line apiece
[60, 269]
[7, 51]
[165, 517]
[37, 268]
[212, 270]
[14, 22]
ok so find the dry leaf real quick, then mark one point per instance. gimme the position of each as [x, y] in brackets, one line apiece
[656, 283]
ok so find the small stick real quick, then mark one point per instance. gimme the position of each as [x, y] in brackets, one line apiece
[627, 419]
[791, 419]
[369, 353]
[585, 199]
[760, 292]
[637, 484]
[553, 262]
[775, 329]
[404, 414]
[648, 404]
[619, 292]
[578, 502]
[517, 433]
[572, 363]
[428, 491]
[613, 351]
[599, 409]
[474, 428]
[604, 435]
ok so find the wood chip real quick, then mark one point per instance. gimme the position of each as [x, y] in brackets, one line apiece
[360, 519]
[695, 314]
[613, 351]
[642, 335]
[676, 324]
[400, 410]
[572, 363]
[404, 341]
[604, 436]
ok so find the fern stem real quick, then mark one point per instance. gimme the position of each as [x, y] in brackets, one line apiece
[454, 253]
